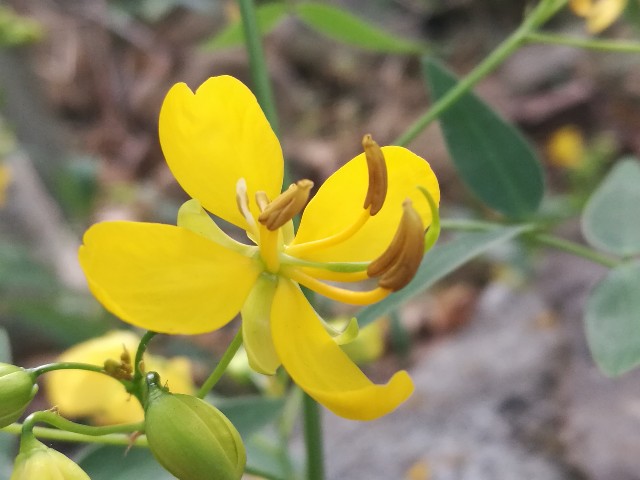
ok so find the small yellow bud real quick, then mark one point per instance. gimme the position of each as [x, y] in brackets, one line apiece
[377, 166]
[286, 205]
[36, 461]
[400, 261]
[17, 389]
[192, 439]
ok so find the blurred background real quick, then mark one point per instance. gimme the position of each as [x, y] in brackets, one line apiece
[505, 385]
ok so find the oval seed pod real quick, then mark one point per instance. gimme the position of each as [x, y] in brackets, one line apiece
[17, 389]
[190, 438]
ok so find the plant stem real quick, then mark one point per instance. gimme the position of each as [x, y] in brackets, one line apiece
[66, 436]
[313, 439]
[540, 238]
[575, 249]
[222, 365]
[257, 62]
[536, 18]
[142, 348]
[37, 371]
[588, 43]
[62, 423]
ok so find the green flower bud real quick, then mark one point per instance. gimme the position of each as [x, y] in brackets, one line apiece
[17, 389]
[190, 438]
[37, 461]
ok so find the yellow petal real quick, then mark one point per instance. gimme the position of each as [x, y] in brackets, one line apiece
[216, 136]
[338, 204]
[165, 278]
[604, 13]
[581, 7]
[256, 327]
[321, 368]
[79, 393]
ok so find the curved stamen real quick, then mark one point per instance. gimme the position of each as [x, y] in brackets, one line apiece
[242, 199]
[286, 205]
[337, 293]
[377, 166]
[322, 274]
[350, 231]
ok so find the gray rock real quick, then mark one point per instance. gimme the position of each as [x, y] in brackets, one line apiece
[485, 405]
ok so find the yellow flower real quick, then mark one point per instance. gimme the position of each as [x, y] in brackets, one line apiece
[78, 393]
[598, 13]
[566, 147]
[5, 181]
[193, 278]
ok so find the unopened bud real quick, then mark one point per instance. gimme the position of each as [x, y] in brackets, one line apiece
[399, 263]
[189, 437]
[37, 461]
[17, 389]
[377, 166]
[286, 205]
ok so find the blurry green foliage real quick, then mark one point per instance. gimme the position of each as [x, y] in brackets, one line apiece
[328, 20]
[16, 29]
[611, 218]
[613, 321]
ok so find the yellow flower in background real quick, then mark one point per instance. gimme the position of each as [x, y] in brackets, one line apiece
[366, 221]
[80, 393]
[566, 148]
[5, 181]
[598, 13]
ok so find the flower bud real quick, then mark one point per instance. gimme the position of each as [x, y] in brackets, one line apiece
[17, 388]
[37, 461]
[190, 438]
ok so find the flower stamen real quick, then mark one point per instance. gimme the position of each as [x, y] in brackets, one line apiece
[377, 166]
[376, 194]
[242, 199]
[286, 205]
[399, 263]
[336, 293]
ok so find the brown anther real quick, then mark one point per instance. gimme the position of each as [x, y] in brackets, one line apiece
[377, 167]
[286, 205]
[399, 263]
[262, 200]
[118, 370]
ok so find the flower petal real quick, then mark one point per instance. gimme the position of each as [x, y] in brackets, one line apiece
[603, 14]
[78, 393]
[321, 368]
[341, 198]
[216, 136]
[165, 278]
[256, 326]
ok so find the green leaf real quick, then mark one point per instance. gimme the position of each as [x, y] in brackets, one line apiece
[249, 414]
[5, 347]
[264, 458]
[109, 462]
[491, 155]
[344, 27]
[268, 16]
[611, 218]
[439, 262]
[613, 320]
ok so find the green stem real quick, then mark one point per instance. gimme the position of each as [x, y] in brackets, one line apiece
[588, 43]
[57, 421]
[575, 249]
[257, 62]
[65, 436]
[342, 267]
[142, 348]
[217, 373]
[540, 238]
[536, 18]
[313, 439]
[37, 371]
